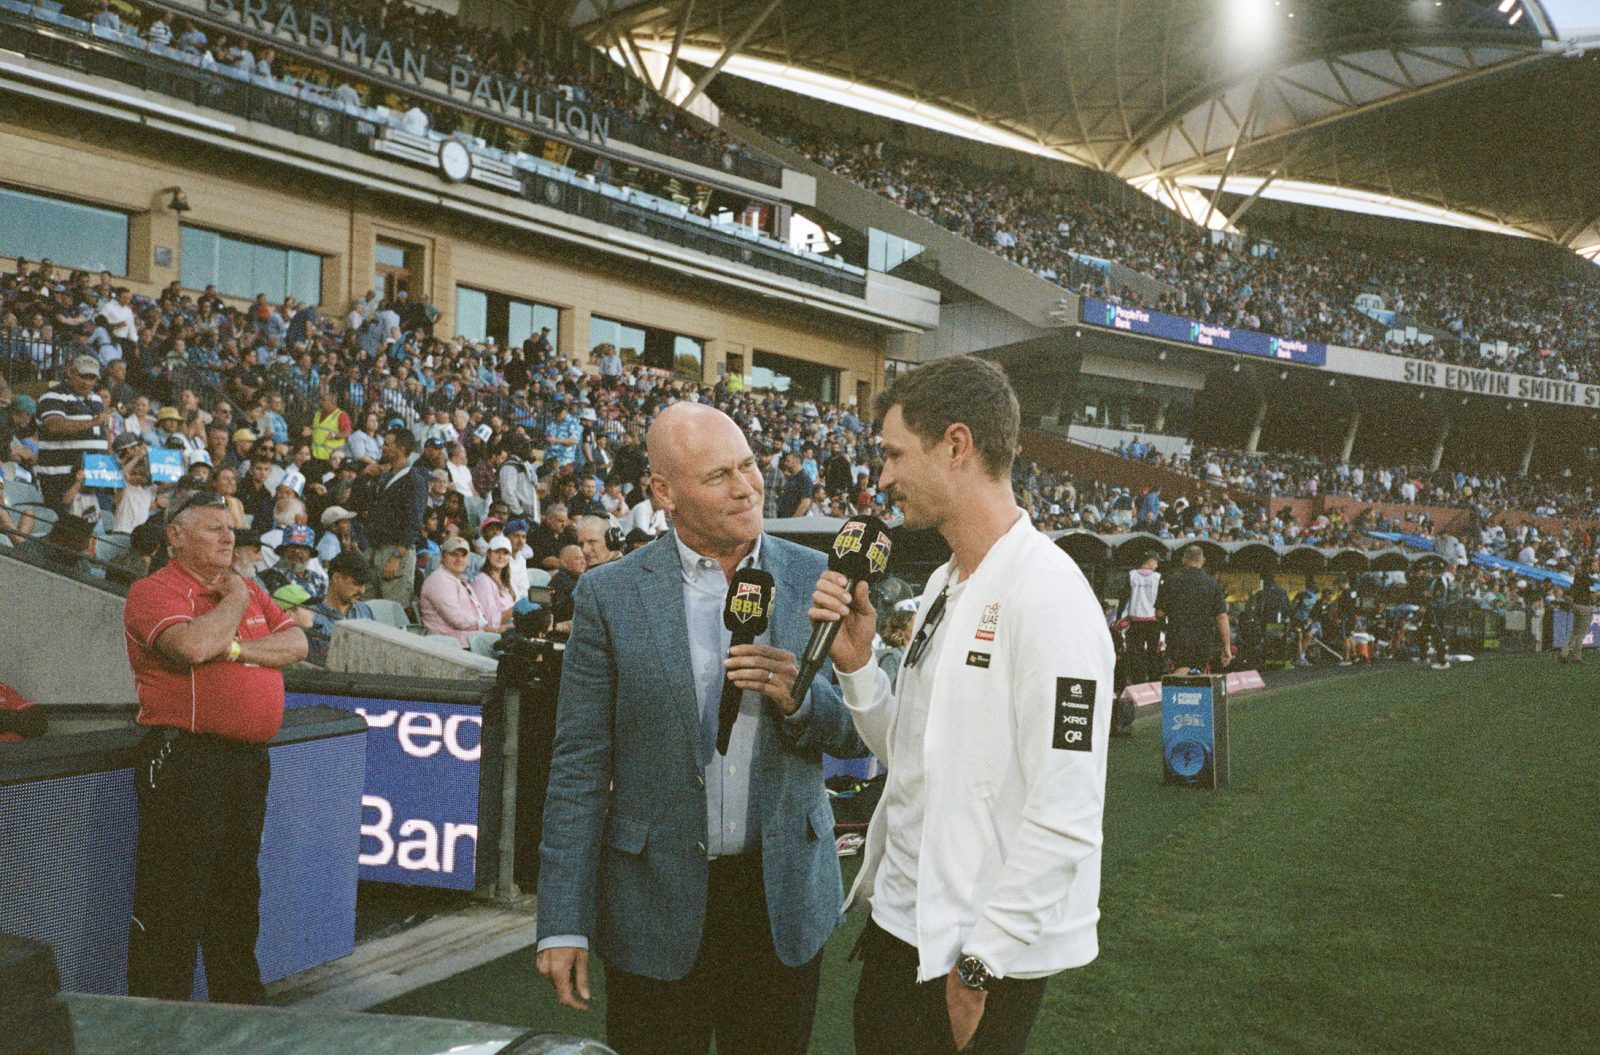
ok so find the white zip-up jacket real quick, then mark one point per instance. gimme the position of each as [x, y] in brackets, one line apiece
[1015, 760]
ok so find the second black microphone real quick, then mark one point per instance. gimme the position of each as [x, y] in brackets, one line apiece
[746, 613]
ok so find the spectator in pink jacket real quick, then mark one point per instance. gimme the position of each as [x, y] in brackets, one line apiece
[492, 587]
[448, 604]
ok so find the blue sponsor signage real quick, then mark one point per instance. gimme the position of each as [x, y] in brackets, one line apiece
[1148, 323]
[102, 471]
[166, 466]
[1194, 730]
[419, 809]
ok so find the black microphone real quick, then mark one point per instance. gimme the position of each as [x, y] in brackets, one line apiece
[745, 613]
[860, 551]
[27, 722]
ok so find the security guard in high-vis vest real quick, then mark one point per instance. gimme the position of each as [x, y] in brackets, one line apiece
[329, 429]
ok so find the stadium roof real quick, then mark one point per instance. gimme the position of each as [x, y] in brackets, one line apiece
[1454, 103]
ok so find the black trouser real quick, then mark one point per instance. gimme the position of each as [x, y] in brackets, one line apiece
[202, 802]
[1144, 650]
[738, 990]
[897, 1015]
[1434, 637]
[1190, 653]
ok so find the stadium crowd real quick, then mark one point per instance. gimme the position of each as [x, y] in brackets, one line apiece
[1301, 285]
[1291, 475]
[519, 58]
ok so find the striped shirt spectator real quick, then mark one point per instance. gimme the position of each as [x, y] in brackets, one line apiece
[72, 422]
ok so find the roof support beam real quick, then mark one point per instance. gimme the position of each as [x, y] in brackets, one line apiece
[684, 15]
[1233, 151]
[1277, 170]
[729, 52]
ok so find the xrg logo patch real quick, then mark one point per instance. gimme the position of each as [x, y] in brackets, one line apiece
[1074, 714]
[989, 622]
[745, 604]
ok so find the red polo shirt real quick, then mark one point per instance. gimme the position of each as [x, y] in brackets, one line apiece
[239, 701]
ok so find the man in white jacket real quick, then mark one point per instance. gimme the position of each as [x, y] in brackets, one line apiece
[982, 862]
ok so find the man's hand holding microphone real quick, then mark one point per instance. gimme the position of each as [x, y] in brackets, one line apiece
[843, 621]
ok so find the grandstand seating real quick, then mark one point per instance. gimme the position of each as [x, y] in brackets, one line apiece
[1515, 317]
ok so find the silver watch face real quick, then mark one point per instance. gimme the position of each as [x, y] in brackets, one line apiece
[455, 163]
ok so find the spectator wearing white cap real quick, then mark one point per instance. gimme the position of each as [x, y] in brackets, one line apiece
[493, 586]
[338, 534]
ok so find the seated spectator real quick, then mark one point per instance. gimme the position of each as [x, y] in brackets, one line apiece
[517, 535]
[65, 548]
[348, 575]
[449, 607]
[564, 582]
[297, 564]
[294, 600]
[493, 586]
[248, 561]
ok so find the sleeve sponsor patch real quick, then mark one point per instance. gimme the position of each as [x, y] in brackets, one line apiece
[1074, 714]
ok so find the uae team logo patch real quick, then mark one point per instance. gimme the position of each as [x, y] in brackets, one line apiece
[989, 622]
[1074, 714]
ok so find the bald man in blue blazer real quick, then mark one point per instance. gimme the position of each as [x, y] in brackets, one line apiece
[707, 883]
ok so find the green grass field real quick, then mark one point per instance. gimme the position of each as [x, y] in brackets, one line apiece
[1408, 861]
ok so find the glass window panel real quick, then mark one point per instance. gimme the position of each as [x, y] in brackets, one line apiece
[779, 373]
[630, 340]
[305, 277]
[688, 357]
[67, 233]
[519, 323]
[235, 273]
[544, 315]
[242, 268]
[389, 254]
[472, 313]
[271, 268]
[198, 258]
[481, 315]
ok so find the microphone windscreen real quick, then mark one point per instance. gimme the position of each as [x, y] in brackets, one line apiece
[861, 549]
[748, 607]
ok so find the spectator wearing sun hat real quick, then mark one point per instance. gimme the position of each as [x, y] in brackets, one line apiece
[297, 563]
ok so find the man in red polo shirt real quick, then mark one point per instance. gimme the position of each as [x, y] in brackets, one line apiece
[206, 649]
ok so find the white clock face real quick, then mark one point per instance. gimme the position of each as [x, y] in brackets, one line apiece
[454, 161]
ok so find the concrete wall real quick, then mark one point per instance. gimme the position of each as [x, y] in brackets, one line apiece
[364, 647]
[61, 639]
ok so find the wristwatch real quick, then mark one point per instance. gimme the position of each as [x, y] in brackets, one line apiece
[974, 973]
[235, 650]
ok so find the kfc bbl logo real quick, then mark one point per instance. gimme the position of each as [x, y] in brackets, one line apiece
[849, 539]
[746, 602]
[878, 554]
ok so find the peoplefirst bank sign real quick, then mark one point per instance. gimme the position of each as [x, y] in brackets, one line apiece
[1507, 386]
[355, 45]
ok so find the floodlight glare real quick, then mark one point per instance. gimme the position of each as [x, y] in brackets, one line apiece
[1249, 25]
